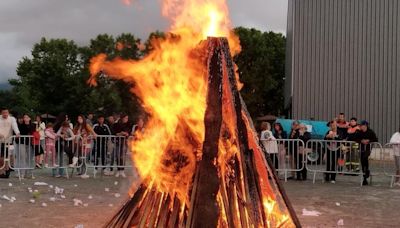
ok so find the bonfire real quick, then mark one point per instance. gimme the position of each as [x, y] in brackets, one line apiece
[199, 159]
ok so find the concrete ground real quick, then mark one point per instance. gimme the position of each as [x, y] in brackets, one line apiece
[376, 205]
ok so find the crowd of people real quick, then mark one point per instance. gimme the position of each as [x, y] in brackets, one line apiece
[339, 130]
[72, 139]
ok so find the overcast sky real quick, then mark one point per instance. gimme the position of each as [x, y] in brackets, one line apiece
[24, 22]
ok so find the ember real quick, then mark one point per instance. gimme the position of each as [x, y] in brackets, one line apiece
[199, 158]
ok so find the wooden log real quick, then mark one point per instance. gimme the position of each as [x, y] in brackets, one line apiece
[205, 211]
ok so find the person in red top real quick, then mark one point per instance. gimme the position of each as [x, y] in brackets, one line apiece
[342, 125]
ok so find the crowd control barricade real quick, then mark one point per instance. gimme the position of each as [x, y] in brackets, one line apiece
[109, 151]
[62, 160]
[287, 156]
[376, 163]
[21, 154]
[333, 157]
[6, 158]
[391, 162]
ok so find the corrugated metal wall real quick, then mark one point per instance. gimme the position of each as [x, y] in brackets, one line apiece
[344, 56]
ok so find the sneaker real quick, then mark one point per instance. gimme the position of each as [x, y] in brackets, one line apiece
[333, 182]
[55, 165]
[365, 182]
[84, 176]
[109, 173]
[46, 165]
[57, 176]
[123, 174]
[94, 172]
[74, 161]
[397, 184]
[117, 174]
[38, 166]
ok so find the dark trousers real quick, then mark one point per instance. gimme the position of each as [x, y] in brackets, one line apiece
[101, 151]
[365, 163]
[331, 165]
[120, 152]
[274, 160]
[298, 160]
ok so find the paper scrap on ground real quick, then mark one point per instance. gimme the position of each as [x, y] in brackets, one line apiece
[340, 222]
[337, 204]
[106, 189]
[52, 199]
[50, 186]
[44, 204]
[40, 184]
[85, 204]
[77, 202]
[116, 183]
[32, 201]
[58, 190]
[310, 213]
[75, 185]
[62, 196]
[79, 226]
[10, 184]
[90, 197]
[110, 205]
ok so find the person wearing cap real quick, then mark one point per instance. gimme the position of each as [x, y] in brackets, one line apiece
[365, 137]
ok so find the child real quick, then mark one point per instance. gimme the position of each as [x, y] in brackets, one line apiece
[50, 145]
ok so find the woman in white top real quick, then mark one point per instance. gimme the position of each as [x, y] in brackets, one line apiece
[269, 142]
[395, 143]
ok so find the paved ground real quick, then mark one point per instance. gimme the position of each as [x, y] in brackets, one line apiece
[371, 206]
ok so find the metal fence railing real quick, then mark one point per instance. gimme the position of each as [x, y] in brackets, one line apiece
[391, 162]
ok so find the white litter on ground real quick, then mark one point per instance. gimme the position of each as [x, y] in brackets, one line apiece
[35, 190]
[9, 184]
[106, 189]
[337, 204]
[58, 190]
[62, 196]
[340, 222]
[77, 202]
[0, 205]
[85, 204]
[30, 190]
[32, 200]
[79, 226]
[90, 197]
[13, 198]
[310, 213]
[44, 204]
[75, 185]
[117, 195]
[40, 184]
[50, 186]
[116, 183]
[52, 199]
[111, 205]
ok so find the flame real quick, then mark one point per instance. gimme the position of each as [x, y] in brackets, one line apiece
[171, 84]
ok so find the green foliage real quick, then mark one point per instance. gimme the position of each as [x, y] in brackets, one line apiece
[261, 69]
[55, 78]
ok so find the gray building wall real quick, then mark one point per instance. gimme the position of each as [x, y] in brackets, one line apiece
[344, 56]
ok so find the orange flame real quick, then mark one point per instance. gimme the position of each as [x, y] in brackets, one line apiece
[171, 83]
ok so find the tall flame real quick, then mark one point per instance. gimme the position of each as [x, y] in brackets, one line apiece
[171, 83]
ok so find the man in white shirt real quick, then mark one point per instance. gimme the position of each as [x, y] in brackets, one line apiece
[8, 125]
[395, 143]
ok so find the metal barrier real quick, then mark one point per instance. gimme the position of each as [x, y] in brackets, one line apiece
[109, 151]
[287, 156]
[21, 155]
[391, 162]
[332, 157]
[376, 164]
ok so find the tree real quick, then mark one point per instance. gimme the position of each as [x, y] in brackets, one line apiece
[261, 69]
